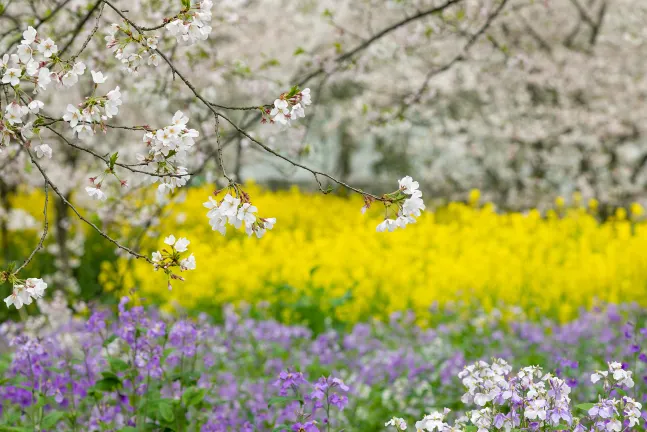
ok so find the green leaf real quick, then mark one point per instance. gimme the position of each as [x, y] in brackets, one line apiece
[109, 340]
[51, 419]
[193, 396]
[299, 51]
[166, 412]
[620, 392]
[118, 365]
[186, 4]
[585, 406]
[110, 375]
[113, 160]
[293, 91]
[281, 427]
[107, 384]
[283, 400]
[128, 429]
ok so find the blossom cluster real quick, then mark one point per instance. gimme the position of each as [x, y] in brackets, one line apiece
[192, 24]
[32, 62]
[237, 211]
[132, 49]
[168, 259]
[82, 117]
[189, 26]
[167, 148]
[29, 62]
[408, 202]
[25, 291]
[289, 106]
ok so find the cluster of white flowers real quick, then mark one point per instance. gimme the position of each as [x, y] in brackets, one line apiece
[632, 411]
[71, 77]
[28, 63]
[237, 213]
[14, 112]
[531, 399]
[132, 50]
[166, 259]
[433, 421]
[89, 112]
[192, 25]
[408, 200]
[615, 376]
[484, 382]
[288, 107]
[24, 292]
[168, 148]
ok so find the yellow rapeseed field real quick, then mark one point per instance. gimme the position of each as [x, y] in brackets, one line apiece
[548, 265]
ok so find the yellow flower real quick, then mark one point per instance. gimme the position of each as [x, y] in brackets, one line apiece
[636, 210]
[323, 250]
[324, 253]
[593, 204]
[474, 197]
[621, 214]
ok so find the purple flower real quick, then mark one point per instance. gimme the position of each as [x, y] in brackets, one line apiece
[339, 401]
[305, 427]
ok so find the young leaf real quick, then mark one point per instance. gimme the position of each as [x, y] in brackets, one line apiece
[51, 419]
[117, 365]
[166, 412]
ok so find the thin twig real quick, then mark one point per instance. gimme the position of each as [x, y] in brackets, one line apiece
[39, 246]
[96, 228]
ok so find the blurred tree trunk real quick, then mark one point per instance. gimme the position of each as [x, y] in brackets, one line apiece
[239, 160]
[4, 229]
[347, 147]
[62, 235]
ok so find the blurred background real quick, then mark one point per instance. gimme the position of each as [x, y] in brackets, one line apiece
[523, 121]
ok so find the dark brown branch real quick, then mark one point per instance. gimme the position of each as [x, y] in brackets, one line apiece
[379, 35]
[460, 57]
[79, 27]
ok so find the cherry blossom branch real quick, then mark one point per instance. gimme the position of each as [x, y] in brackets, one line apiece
[458, 58]
[92, 33]
[315, 173]
[209, 106]
[78, 29]
[379, 35]
[41, 21]
[219, 147]
[107, 161]
[42, 237]
[71, 206]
